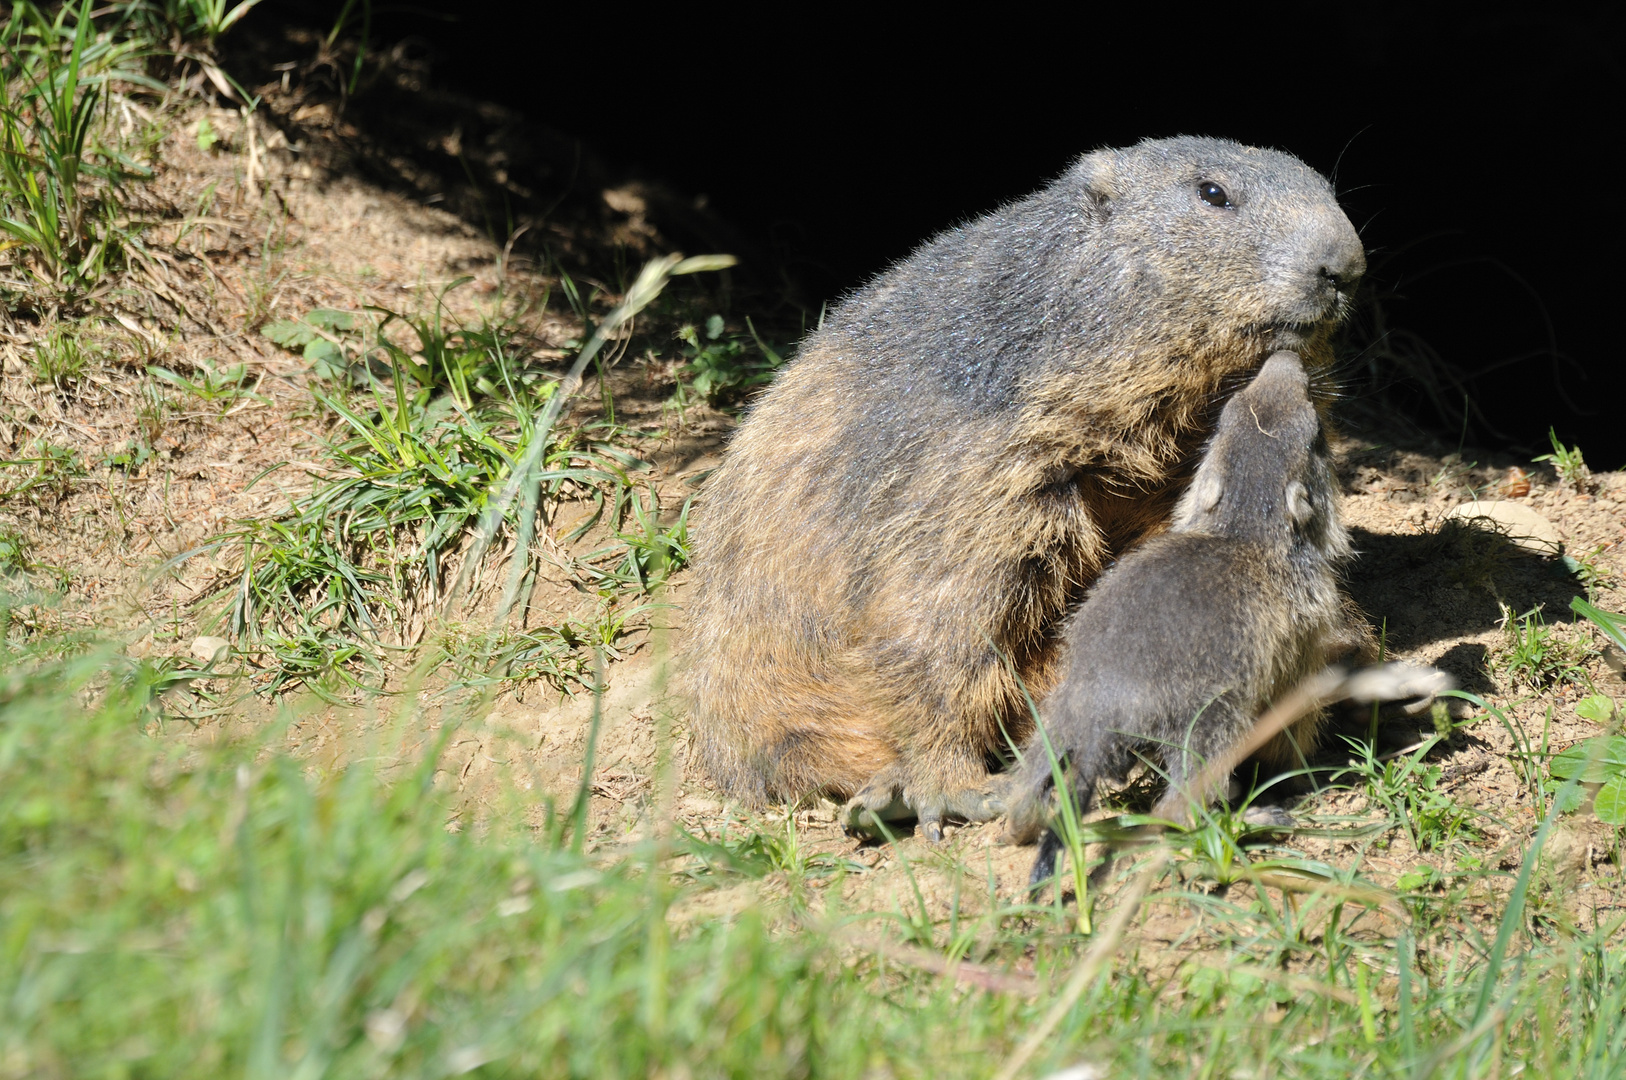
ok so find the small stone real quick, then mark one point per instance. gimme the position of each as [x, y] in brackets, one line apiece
[1081, 1071]
[1566, 853]
[210, 650]
[1272, 818]
[1519, 523]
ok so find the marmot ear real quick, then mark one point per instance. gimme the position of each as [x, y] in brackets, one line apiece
[1299, 507]
[1099, 173]
[1202, 497]
[1206, 490]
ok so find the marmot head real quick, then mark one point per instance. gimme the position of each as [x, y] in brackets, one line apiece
[1236, 239]
[1267, 474]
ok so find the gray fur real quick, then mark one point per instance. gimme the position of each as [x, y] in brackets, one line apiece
[1190, 636]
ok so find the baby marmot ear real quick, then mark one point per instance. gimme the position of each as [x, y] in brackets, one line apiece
[1099, 171]
[1206, 491]
[1298, 503]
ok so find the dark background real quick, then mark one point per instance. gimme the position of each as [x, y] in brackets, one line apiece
[1478, 151]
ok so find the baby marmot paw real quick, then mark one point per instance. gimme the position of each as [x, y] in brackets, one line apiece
[893, 796]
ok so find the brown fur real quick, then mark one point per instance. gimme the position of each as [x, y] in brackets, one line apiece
[901, 524]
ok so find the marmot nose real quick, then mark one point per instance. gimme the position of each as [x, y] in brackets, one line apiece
[1342, 260]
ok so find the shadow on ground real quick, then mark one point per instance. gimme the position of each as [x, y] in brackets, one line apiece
[1425, 588]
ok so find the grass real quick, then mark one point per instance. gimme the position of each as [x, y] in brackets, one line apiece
[645, 553]
[51, 472]
[1584, 568]
[45, 121]
[65, 221]
[276, 924]
[1535, 655]
[1568, 463]
[60, 360]
[435, 417]
[185, 911]
[1407, 788]
[427, 465]
[217, 385]
[205, 19]
[347, 570]
[60, 203]
[720, 367]
[559, 655]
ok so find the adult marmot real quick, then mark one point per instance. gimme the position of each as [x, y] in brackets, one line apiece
[904, 519]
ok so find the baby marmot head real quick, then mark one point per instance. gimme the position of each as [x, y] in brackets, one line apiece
[1266, 474]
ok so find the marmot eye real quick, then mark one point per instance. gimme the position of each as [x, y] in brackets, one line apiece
[1214, 195]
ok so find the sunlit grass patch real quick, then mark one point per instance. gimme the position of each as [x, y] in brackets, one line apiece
[61, 211]
[183, 910]
[1535, 655]
[445, 440]
[181, 916]
[362, 563]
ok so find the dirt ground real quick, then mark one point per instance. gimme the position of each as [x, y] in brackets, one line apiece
[265, 224]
